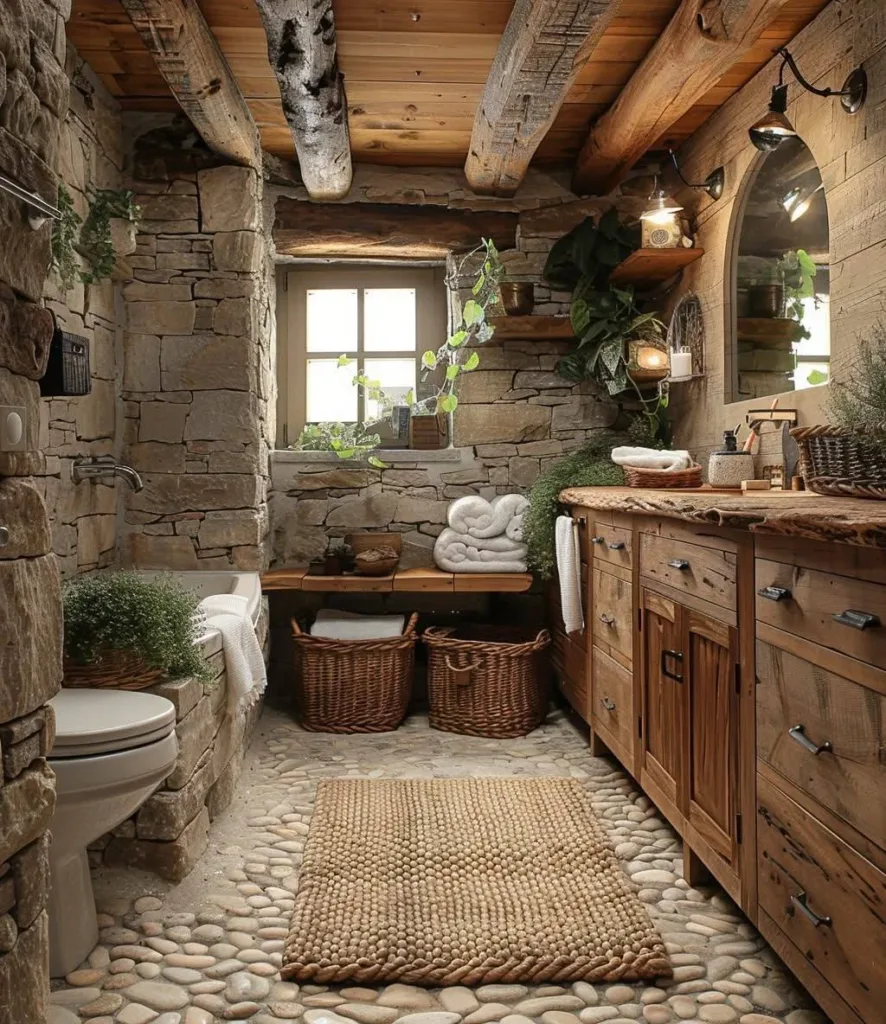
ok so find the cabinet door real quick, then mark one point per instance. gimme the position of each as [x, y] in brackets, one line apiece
[711, 655]
[662, 728]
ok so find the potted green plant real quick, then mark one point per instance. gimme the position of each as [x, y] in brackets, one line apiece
[341, 440]
[125, 630]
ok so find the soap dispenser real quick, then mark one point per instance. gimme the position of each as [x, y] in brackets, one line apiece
[729, 466]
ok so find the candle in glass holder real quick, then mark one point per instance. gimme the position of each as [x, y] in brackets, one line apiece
[681, 363]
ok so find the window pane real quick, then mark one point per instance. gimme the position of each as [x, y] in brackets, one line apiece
[332, 320]
[389, 319]
[331, 395]
[396, 376]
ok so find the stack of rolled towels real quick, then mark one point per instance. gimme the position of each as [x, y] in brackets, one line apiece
[483, 536]
[651, 458]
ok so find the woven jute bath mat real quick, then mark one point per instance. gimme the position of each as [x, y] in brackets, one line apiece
[467, 881]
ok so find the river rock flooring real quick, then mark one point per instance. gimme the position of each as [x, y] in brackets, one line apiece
[210, 949]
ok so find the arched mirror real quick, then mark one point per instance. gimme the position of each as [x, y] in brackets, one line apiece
[781, 326]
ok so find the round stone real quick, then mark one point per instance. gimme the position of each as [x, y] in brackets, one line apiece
[286, 1011]
[683, 1006]
[147, 971]
[501, 993]
[586, 993]
[652, 995]
[457, 999]
[717, 1014]
[181, 975]
[559, 1017]
[106, 1004]
[61, 1015]
[146, 903]
[597, 1014]
[367, 1013]
[430, 1017]
[158, 995]
[487, 1012]
[74, 996]
[657, 1014]
[194, 1015]
[135, 1013]
[244, 987]
[618, 994]
[758, 1018]
[769, 999]
[87, 976]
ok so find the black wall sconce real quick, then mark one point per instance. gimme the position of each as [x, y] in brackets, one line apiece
[773, 128]
[713, 183]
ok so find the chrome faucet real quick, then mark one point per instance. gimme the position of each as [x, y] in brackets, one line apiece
[91, 467]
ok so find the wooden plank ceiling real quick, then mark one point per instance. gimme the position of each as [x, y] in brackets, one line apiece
[414, 70]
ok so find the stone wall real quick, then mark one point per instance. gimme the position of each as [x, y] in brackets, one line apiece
[170, 832]
[84, 516]
[515, 414]
[197, 388]
[33, 100]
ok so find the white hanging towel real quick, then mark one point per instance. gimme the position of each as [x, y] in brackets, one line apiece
[569, 571]
[244, 663]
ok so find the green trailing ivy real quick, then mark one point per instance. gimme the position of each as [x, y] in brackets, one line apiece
[65, 233]
[797, 270]
[95, 246]
[344, 440]
[154, 618]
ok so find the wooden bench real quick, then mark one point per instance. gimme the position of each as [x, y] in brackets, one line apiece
[428, 581]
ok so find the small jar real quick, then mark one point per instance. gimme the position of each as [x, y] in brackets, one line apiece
[728, 467]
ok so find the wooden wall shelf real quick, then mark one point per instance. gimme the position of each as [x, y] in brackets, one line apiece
[532, 328]
[652, 266]
[432, 581]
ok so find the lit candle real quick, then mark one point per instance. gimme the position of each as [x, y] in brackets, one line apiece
[681, 363]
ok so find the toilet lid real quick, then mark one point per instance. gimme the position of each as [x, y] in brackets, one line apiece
[101, 721]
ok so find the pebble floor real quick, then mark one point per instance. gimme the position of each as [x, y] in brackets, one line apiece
[209, 949]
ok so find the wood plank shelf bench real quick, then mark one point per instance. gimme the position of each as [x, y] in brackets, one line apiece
[532, 328]
[429, 581]
[652, 266]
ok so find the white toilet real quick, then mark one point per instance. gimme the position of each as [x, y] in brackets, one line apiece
[112, 749]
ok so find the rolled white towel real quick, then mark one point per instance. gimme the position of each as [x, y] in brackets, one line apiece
[469, 514]
[455, 552]
[569, 573]
[651, 458]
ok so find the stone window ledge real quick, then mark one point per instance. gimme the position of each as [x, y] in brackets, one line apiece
[389, 455]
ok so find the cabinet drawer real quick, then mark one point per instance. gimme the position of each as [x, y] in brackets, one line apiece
[612, 545]
[613, 613]
[613, 704]
[800, 707]
[828, 900]
[570, 663]
[847, 615]
[700, 570]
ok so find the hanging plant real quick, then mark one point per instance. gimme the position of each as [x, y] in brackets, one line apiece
[65, 233]
[96, 245]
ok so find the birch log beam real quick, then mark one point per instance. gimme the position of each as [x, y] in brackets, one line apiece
[544, 46]
[701, 42]
[187, 55]
[302, 52]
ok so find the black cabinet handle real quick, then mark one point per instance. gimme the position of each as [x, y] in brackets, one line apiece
[665, 671]
[617, 545]
[679, 563]
[597, 540]
[607, 703]
[798, 734]
[857, 620]
[775, 593]
[801, 902]
[607, 620]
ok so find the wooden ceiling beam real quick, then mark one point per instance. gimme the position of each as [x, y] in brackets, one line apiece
[302, 52]
[701, 42]
[187, 55]
[544, 46]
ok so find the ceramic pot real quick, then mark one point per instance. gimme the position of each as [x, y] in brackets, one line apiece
[518, 297]
[729, 469]
[766, 300]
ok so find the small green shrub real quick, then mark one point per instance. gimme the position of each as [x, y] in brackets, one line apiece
[154, 618]
[859, 402]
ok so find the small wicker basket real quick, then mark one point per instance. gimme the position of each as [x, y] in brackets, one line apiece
[351, 686]
[663, 478]
[487, 680]
[114, 670]
[841, 462]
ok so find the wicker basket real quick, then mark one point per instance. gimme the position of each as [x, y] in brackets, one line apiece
[841, 462]
[115, 670]
[353, 685]
[663, 478]
[486, 681]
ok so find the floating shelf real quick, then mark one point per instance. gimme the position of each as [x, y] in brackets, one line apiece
[685, 380]
[652, 266]
[404, 580]
[532, 328]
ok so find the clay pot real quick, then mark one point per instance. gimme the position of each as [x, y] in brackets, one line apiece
[518, 297]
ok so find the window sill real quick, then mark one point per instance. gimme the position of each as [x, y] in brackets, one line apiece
[389, 455]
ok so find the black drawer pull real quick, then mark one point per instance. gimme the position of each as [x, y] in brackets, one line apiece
[607, 620]
[679, 563]
[857, 620]
[775, 593]
[798, 734]
[597, 540]
[665, 671]
[607, 703]
[617, 545]
[800, 901]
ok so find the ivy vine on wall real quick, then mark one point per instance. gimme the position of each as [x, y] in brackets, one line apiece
[90, 238]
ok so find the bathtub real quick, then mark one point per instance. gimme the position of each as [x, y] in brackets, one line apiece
[205, 584]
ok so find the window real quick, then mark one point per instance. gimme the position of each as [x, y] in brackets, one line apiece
[381, 318]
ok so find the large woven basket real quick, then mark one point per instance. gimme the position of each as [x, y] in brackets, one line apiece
[663, 478]
[346, 686]
[115, 670]
[841, 462]
[486, 680]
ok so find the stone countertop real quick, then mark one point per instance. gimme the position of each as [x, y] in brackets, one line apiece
[788, 513]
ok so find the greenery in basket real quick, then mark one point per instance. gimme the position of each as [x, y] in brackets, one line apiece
[152, 617]
[858, 403]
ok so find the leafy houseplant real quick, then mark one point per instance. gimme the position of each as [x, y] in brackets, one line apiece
[65, 233]
[858, 403]
[344, 440]
[92, 239]
[797, 271]
[151, 619]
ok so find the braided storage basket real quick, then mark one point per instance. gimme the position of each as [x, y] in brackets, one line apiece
[115, 670]
[663, 478]
[841, 462]
[347, 686]
[487, 680]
